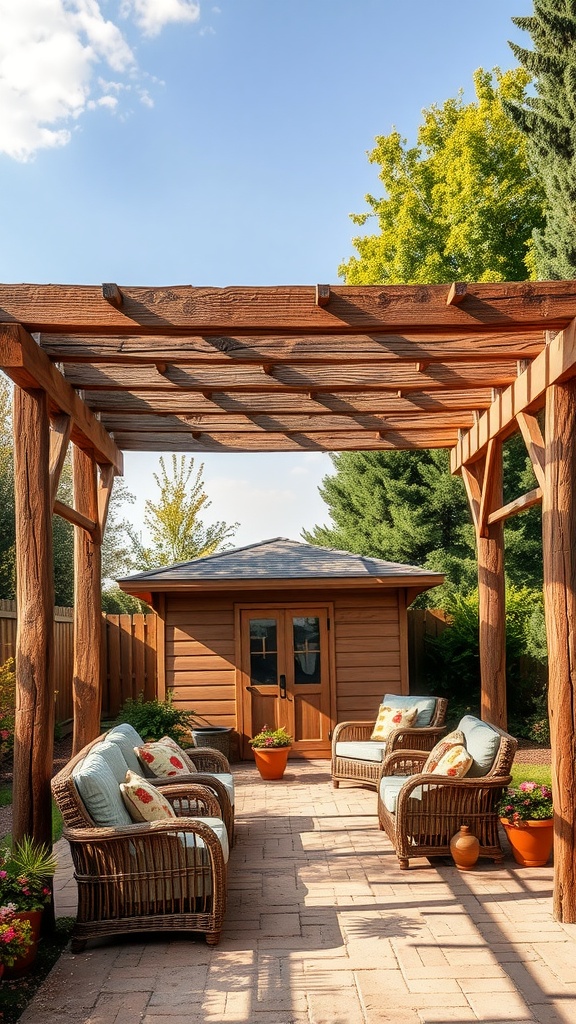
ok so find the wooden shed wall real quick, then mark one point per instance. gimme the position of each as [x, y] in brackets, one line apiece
[368, 638]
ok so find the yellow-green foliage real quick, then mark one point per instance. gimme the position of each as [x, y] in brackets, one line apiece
[461, 204]
[7, 707]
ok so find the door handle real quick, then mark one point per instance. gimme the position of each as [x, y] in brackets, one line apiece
[283, 687]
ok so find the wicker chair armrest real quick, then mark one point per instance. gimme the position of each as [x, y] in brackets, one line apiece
[352, 731]
[447, 784]
[397, 737]
[207, 759]
[404, 762]
[192, 800]
[101, 835]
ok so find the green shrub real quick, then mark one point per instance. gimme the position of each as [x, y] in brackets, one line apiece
[156, 718]
[7, 708]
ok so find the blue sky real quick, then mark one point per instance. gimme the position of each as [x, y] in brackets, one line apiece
[172, 142]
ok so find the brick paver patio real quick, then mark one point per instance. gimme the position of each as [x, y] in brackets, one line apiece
[323, 928]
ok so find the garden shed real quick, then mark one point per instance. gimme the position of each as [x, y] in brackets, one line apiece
[282, 633]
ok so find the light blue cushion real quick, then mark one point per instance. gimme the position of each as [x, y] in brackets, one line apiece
[228, 781]
[425, 705]
[100, 792]
[482, 743]
[127, 738]
[361, 750]
[114, 757]
[390, 787]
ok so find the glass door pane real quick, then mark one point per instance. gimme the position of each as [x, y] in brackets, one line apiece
[263, 652]
[306, 644]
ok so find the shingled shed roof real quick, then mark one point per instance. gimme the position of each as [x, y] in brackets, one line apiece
[281, 559]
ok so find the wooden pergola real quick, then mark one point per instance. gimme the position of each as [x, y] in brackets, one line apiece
[307, 368]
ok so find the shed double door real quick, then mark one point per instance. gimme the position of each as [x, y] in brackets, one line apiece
[286, 676]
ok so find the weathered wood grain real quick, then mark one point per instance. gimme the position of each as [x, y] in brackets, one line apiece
[251, 403]
[270, 441]
[559, 533]
[451, 346]
[34, 729]
[287, 308]
[86, 688]
[231, 423]
[400, 376]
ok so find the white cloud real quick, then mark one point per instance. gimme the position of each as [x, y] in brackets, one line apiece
[52, 55]
[152, 15]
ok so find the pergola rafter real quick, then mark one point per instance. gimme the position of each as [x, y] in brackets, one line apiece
[307, 368]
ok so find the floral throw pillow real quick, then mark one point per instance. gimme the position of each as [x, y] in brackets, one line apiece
[390, 718]
[164, 759]
[453, 739]
[143, 801]
[454, 763]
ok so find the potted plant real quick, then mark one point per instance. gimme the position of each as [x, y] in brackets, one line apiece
[15, 938]
[271, 748]
[527, 815]
[26, 871]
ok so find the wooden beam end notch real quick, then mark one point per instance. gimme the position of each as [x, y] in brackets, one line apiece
[112, 294]
[322, 294]
[457, 293]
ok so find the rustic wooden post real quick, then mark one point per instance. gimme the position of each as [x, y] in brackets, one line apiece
[34, 732]
[492, 597]
[87, 603]
[559, 544]
[484, 486]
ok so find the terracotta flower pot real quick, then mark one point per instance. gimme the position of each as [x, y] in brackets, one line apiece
[531, 841]
[21, 965]
[271, 761]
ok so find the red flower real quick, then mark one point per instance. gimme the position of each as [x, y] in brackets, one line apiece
[451, 771]
[176, 762]
[147, 756]
[397, 717]
[143, 795]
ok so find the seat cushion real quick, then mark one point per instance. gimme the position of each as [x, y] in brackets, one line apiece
[360, 750]
[143, 801]
[425, 705]
[228, 781]
[99, 791]
[390, 787]
[391, 717]
[482, 742]
[127, 738]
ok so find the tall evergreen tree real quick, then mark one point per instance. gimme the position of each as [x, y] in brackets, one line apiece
[548, 122]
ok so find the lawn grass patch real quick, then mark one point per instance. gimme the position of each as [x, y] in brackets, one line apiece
[540, 773]
[16, 993]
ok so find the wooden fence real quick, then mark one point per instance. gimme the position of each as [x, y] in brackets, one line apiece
[63, 652]
[422, 623]
[129, 657]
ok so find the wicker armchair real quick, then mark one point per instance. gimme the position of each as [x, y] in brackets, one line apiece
[362, 762]
[167, 875]
[420, 813]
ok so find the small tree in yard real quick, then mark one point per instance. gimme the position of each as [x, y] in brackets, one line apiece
[177, 532]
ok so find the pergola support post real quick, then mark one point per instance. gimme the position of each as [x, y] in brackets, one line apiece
[559, 546]
[34, 730]
[87, 694]
[484, 486]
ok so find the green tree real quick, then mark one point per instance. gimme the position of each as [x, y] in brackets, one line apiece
[547, 121]
[459, 205]
[177, 532]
